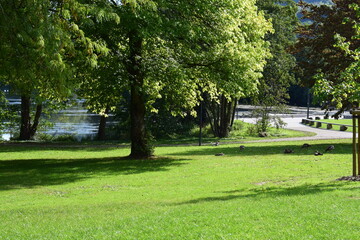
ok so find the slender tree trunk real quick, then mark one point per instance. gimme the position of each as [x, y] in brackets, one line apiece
[25, 118]
[28, 130]
[35, 124]
[140, 147]
[235, 102]
[225, 113]
[102, 126]
[209, 116]
[217, 118]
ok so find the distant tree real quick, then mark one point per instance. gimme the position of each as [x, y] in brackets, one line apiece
[345, 92]
[102, 89]
[276, 75]
[316, 47]
[278, 72]
[4, 112]
[41, 45]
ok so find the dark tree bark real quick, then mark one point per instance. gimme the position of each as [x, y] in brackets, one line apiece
[235, 102]
[35, 124]
[140, 147]
[102, 126]
[25, 118]
[28, 130]
[221, 116]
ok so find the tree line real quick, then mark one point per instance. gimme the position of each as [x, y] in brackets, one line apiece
[156, 55]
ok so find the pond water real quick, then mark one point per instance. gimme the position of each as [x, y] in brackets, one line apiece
[74, 120]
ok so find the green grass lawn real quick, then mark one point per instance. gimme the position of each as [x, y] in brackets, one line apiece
[336, 121]
[185, 193]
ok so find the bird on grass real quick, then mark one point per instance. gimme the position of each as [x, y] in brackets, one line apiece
[242, 147]
[330, 148]
[288, 150]
[305, 145]
[215, 144]
[317, 153]
[219, 154]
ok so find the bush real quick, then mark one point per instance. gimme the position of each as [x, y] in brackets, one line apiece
[206, 131]
[252, 130]
[65, 138]
[43, 137]
[238, 129]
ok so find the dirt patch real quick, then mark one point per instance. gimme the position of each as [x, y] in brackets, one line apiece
[355, 198]
[260, 183]
[349, 178]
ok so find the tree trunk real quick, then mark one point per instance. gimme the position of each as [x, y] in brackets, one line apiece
[221, 116]
[225, 117]
[35, 124]
[140, 147]
[102, 126]
[235, 102]
[25, 118]
[28, 130]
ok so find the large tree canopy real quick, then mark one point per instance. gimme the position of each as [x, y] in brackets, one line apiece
[175, 50]
[42, 45]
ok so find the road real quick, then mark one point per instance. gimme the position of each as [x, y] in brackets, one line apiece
[293, 121]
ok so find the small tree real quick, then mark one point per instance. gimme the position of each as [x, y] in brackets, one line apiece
[278, 72]
[42, 49]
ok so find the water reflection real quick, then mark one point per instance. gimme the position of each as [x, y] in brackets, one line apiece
[74, 120]
[6, 136]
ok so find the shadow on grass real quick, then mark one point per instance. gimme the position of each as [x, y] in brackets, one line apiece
[273, 192]
[266, 149]
[44, 172]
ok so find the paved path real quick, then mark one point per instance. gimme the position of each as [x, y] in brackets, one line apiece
[295, 124]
